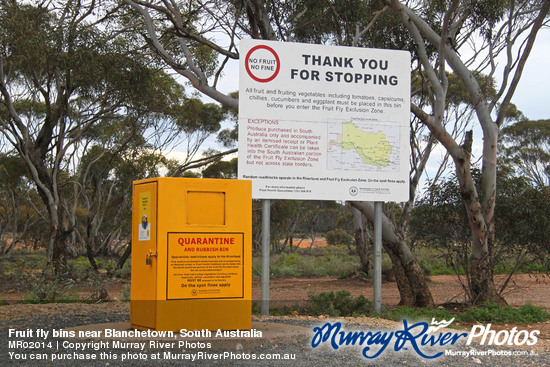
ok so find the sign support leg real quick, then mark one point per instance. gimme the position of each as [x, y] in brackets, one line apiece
[266, 212]
[377, 278]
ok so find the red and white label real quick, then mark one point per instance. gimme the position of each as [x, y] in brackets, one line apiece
[262, 63]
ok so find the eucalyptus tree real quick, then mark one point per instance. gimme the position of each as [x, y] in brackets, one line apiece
[116, 152]
[522, 216]
[505, 29]
[526, 145]
[19, 212]
[437, 33]
[65, 77]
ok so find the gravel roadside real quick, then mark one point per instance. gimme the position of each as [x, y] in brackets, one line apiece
[59, 316]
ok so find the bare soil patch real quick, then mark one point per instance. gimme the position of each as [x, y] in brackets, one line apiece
[523, 288]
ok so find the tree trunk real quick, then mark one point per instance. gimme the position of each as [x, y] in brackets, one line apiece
[90, 241]
[481, 218]
[9, 251]
[405, 291]
[361, 240]
[125, 256]
[482, 285]
[59, 256]
[409, 276]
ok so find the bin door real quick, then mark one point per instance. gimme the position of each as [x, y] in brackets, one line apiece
[144, 256]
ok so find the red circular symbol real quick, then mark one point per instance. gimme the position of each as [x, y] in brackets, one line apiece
[262, 66]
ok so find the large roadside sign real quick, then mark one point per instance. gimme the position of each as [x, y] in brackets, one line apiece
[324, 122]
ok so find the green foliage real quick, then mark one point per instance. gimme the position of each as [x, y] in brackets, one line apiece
[13, 171]
[342, 303]
[522, 216]
[3, 302]
[47, 287]
[337, 304]
[437, 269]
[493, 313]
[444, 211]
[336, 22]
[86, 96]
[487, 313]
[292, 217]
[285, 310]
[98, 289]
[256, 308]
[126, 293]
[530, 264]
[125, 272]
[320, 262]
[195, 115]
[106, 264]
[479, 15]
[435, 261]
[31, 261]
[536, 265]
[278, 310]
[221, 169]
[69, 298]
[338, 236]
[417, 314]
[79, 268]
[526, 148]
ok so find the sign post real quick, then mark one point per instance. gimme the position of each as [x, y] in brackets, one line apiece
[324, 122]
[266, 246]
[377, 276]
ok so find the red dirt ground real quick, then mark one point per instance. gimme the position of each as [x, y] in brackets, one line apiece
[522, 288]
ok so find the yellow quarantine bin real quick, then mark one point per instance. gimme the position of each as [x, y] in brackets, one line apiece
[191, 254]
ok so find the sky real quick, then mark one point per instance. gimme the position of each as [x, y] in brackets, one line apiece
[533, 94]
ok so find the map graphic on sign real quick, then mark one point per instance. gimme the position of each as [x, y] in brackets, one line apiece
[363, 146]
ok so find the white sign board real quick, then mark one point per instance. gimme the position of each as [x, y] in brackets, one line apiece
[324, 122]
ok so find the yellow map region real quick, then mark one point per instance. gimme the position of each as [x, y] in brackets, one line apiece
[373, 148]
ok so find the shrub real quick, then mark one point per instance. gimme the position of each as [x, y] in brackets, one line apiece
[46, 287]
[488, 313]
[340, 303]
[283, 310]
[107, 264]
[338, 236]
[79, 267]
[340, 264]
[98, 289]
[126, 293]
[256, 307]
[417, 314]
[125, 272]
[493, 313]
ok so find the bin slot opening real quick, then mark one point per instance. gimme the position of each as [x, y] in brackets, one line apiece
[206, 208]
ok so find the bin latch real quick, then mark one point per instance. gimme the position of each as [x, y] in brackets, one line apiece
[149, 256]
